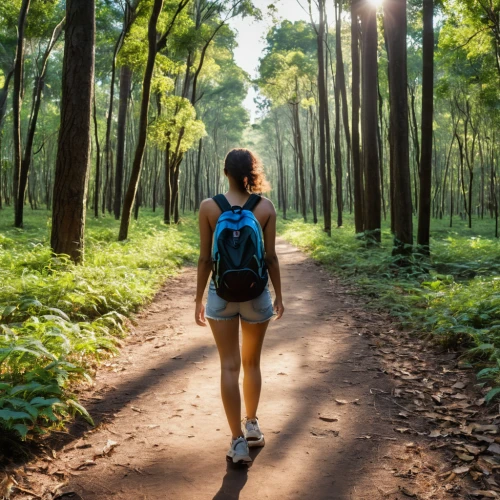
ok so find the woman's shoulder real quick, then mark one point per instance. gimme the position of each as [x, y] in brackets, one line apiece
[267, 204]
[208, 205]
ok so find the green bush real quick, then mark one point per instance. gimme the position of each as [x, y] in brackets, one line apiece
[455, 296]
[58, 319]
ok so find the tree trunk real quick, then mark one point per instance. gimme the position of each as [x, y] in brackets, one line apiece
[395, 23]
[143, 122]
[372, 206]
[168, 187]
[314, 201]
[197, 198]
[73, 155]
[424, 206]
[3, 97]
[108, 194]
[17, 96]
[28, 152]
[97, 183]
[125, 85]
[356, 99]
[323, 109]
[300, 158]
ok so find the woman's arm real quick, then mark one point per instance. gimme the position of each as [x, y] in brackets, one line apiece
[272, 261]
[204, 262]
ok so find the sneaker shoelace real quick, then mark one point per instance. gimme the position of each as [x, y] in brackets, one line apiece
[251, 425]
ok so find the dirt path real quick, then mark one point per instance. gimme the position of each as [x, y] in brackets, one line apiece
[159, 402]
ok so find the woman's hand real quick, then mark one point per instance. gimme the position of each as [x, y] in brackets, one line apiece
[199, 314]
[279, 308]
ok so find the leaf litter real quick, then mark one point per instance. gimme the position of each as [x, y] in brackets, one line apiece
[442, 396]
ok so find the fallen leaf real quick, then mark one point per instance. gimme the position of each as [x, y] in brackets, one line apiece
[436, 398]
[328, 419]
[320, 433]
[345, 402]
[87, 463]
[108, 448]
[494, 448]
[484, 493]
[482, 428]
[464, 457]
[459, 385]
[474, 450]
[282, 373]
[462, 470]
[435, 433]
[460, 396]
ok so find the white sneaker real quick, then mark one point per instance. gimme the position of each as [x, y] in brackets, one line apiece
[253, 433]
[239, 451]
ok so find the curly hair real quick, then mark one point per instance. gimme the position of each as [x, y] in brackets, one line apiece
[247, 170]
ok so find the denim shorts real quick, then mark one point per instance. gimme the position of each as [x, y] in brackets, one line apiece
[258, 310]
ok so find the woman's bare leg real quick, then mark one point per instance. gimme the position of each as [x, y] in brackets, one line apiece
[253, 338]
[226, 334]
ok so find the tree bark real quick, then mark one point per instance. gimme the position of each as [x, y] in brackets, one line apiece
[323, 109]
[17, 95]
[372, 206]
[424, 211]
[97, 183]
[3, 97]
[28, 151]
[143, 122]
[300, 157]
[125, 85]
[396, 28]
[73, 155]
[356, 100]
[197, 172]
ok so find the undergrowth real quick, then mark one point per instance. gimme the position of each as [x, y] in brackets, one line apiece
[58, 320]
[454, 296]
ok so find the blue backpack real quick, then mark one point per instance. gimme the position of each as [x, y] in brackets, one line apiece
[239, 269]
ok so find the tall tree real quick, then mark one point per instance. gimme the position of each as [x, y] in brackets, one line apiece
[155, 44]
[369, 120]
[73, 154]
[395, 22]
[323, 109]
[424, 214]
[128, 17]
[356, 103]
[17, 95]
[125, 84]
[28, 151]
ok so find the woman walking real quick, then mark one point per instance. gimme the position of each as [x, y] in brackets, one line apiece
[237, 232]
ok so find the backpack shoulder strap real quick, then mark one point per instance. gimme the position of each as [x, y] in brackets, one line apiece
[252, 202]
[222, 203]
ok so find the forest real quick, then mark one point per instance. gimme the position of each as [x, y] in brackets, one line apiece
[377, 124]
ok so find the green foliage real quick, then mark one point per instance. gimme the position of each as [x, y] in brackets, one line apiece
[58, 319]
[177, 120]
[455, 297]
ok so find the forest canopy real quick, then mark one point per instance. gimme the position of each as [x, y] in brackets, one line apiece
[376, 119]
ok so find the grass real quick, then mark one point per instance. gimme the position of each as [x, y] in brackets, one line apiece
[454, 296]
[58, 320]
